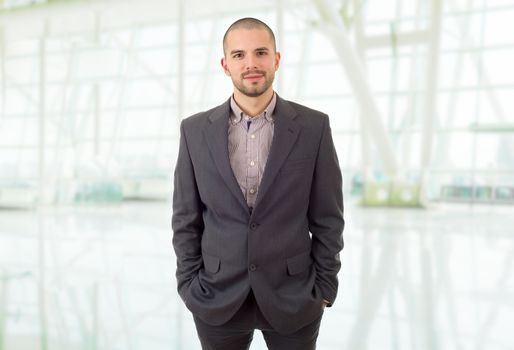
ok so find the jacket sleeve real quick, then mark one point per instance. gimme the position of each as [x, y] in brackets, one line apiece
[325, 214]
[187, 218]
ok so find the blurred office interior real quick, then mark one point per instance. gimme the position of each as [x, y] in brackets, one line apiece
[420, 95]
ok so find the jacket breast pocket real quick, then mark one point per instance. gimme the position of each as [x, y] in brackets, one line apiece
[296, 165]
[211, 263]
[299, 263]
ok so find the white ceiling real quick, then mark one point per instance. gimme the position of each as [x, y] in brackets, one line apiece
[64, 17]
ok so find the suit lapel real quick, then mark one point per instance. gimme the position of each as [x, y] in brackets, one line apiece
[284, 136]
[216, 135]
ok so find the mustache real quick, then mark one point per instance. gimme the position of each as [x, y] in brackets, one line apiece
[252, 72]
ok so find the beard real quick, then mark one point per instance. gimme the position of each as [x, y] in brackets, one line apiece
[255, 90]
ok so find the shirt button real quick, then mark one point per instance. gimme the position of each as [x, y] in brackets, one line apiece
[252, 267]
[252, 136]
[252, 190]
[254, 225]
[252, 163]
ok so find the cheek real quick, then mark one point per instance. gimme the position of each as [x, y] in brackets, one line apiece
[232, 69]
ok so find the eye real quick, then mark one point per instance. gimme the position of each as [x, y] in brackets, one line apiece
[262, 53]
[237, 55]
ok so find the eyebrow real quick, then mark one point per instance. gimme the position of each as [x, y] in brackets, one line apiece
[242, 51]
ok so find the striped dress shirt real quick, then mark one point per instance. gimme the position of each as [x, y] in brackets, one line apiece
[249, 142]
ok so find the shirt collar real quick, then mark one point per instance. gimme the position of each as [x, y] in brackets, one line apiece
[238, 114]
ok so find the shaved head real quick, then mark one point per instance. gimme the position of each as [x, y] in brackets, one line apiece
[249, 23]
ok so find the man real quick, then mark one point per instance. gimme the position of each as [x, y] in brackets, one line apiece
[257, 208]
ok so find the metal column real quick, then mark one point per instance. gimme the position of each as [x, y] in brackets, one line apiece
[336, 32]
[431, 90]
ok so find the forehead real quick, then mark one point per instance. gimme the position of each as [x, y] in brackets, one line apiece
[241, 38]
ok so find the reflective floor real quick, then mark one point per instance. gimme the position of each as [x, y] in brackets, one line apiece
[103, 278]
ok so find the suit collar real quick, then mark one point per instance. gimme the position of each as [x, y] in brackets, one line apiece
[220, 112]
[216, 135]
[285, 133]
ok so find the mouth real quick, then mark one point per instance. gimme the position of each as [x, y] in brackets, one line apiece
[253, 76]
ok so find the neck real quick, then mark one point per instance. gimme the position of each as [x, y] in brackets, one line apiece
[253, 106]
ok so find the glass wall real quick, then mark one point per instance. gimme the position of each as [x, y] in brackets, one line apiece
[93, 112]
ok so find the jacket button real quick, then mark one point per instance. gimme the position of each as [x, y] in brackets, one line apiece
[252, 267]
[254, 225]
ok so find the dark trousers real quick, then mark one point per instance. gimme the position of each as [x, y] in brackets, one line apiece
[237, 333]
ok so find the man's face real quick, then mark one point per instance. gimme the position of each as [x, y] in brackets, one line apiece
[250, 60]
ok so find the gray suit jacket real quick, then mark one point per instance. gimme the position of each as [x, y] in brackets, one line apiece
[287, 249]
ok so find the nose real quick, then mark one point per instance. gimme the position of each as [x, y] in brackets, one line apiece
[250, 63]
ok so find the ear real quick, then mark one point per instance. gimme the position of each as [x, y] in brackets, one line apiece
[224, 66]
[277, 60]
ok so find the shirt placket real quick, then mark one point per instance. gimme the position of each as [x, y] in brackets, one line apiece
[252, 161]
